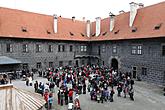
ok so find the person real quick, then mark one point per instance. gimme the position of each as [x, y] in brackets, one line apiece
[27, 81]
[70, 105]
[98, 96]
[66, 95]
[30, 81]
[61, 97]
[58, 96]
[46, 97]
[111, 95]
[131, 93]
[70, 94]
[119, 89]
[77, 102]
[36, 86]
[50, 101]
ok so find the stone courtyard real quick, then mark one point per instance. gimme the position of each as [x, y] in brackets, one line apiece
[147, 97]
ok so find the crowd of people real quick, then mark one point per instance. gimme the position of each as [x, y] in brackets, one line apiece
[100, 82]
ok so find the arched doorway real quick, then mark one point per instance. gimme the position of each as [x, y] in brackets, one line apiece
[114, 63]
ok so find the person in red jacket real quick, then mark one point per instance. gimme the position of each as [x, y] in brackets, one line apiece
[70, 94]
[46, 97]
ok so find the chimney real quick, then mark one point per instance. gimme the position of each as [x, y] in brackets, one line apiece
[112, 21]
[55, 23]
[141, 5]
[98, 25]
[121, 11]
[88, 28]
[133, 12]
[73, 18]
[83, 19]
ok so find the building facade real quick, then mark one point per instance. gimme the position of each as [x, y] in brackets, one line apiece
[129, 42]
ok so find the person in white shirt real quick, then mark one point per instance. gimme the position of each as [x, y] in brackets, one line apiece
[70, 105]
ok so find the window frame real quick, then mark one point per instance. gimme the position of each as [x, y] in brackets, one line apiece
[114, 49]
[144, 71]
[9, 48]
[38, 48]
[25, 48]
[71, 48]
[38, 65]
[83, 48]
[50, 48]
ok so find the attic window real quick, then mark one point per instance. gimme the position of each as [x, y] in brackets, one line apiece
[24, 29]
[134, 29]
[157, 27]
[82, 34]
[116, 32]
[48, 32]
[71, 34]
[93, 34]
[104, 33]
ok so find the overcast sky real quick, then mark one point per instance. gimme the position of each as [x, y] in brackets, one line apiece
[90, 9]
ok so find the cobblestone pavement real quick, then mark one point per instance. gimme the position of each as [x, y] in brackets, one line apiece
[147, 97]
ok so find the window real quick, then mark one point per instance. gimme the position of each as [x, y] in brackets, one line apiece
[25, 66]
[136, 49]
[60, 63]
[163, 50]
[139, 49]
[144, 71]
[50, 64]
[71, 48]
[133, 49]
[83, 48]
[38, 48]
[114, 49]
[61, 48]
[39, 65]
[83, 62]
[50, 48]
[70, 63]
[25, 47]
[9, 48]
[103, 48]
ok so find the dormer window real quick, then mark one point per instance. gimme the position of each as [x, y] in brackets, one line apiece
[104, 33]
[24, 29]
[48, 32]
[134, 29]
[116, 32]
[71, 34]
[82, 34]
[157, 27]
[93, 34]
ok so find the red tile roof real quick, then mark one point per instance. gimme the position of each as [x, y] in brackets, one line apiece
[146, 19]
[37, 25]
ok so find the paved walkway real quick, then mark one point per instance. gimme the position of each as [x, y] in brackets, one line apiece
[147, 97]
